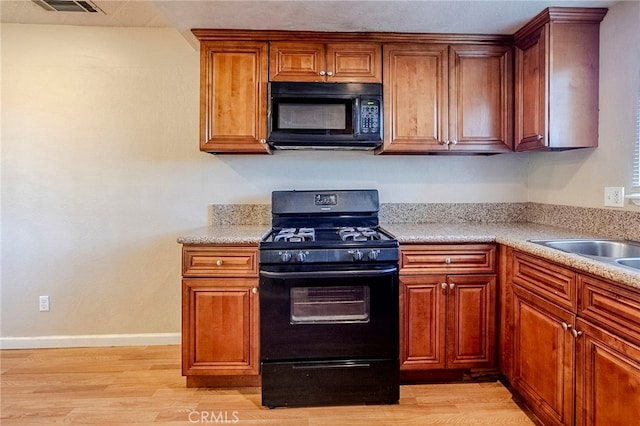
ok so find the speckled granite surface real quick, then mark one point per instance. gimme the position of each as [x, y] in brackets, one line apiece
[515, 235]
[239, 214]
[511, 224]
[225, 234]
[452, 213]
[605, 222]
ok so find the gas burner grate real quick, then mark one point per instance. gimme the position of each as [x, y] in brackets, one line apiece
[358, 234]
[296, 235]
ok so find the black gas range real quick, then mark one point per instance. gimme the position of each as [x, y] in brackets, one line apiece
[329, 327]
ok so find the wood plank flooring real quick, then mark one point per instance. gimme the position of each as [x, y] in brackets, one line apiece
[143, 385]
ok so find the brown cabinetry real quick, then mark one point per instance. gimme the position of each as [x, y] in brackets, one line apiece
[557, 80]
[233, 97]
[608, 353]
[574, 341]
[544, 352]
[446, 98]
[544, 319]
[447, 312]
[220, 316]
[326, 62]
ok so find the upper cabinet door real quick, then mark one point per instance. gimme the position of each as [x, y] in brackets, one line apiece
[233, 97]
[557, 80]
[331, 63]
[481, 98]
[531, 95]
[297, 62]
[416, 98]
[354, 62]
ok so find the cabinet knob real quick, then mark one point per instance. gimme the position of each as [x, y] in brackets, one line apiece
[576, 333]
[446, 142]
[254, 290]
[452, 286]
[322, 72]
[566, 326]
[454, 142]
[329, 73]
[539, 137]
[219, 262]
[263, 141]
[447, 260]
[444, 286]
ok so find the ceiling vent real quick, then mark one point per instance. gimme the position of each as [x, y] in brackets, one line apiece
[68, 6]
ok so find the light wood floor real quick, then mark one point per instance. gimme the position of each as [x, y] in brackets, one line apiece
[143, 385]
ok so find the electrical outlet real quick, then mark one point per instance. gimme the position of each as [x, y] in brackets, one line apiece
[614, 196]
[44, 303]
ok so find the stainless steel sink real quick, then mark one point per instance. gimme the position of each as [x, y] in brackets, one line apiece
[620, 252]
[630, 262]
[598, 248]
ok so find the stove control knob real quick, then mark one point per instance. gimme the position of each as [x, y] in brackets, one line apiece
[356, 254]
[373, 254]
[301, 256]
[285, 256]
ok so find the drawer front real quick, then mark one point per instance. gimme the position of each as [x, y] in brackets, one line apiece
[541, 277]
[610, 306]
[219, 261]
[448, 259]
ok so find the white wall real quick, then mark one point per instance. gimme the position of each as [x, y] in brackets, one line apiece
[578, 178]
[101, 172]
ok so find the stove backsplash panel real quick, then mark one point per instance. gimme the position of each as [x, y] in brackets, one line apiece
[606, 222]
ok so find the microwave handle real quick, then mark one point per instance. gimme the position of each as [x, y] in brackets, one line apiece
[356, 116]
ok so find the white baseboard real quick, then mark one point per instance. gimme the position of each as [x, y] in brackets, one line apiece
[146, 339]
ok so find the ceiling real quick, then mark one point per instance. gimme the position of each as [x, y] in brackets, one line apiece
[424, 16]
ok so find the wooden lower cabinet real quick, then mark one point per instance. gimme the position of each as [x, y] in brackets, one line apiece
[220, 325]
[447, 321]
[608, 378]
[544, 351]
[572, 343]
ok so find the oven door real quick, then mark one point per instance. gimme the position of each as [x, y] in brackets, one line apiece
[311, 312]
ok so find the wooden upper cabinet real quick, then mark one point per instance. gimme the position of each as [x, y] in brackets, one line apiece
[441, 98]
[557, 58]
[233, 97]
[416, 98]
[481, 105]
[321, 62]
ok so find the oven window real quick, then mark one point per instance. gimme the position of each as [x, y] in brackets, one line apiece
[327, 305]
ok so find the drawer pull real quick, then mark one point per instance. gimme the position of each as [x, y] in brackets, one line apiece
[219, 262]
[447, 260]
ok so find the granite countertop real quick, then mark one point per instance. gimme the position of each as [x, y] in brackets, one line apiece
[225, 234]
[512, 234]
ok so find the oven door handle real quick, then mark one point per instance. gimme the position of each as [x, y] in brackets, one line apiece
[330, 274]
[325, 365]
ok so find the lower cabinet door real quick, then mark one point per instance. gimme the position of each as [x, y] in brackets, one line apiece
[447, 322]
[471, 321]
[220, 326]
[544, 351]
[607, 378]
[422, 322]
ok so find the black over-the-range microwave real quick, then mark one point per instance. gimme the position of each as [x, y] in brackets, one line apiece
[325, 115]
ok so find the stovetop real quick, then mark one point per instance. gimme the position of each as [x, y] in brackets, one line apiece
[304, 235]
[326, 226]
[328, 245]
